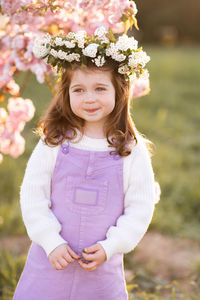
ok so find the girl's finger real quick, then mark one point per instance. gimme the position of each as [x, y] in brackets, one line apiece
[68, 257]
[89, 266]
[58, 266]
[92, 248]
[63, 262]
[90, 256]
[73, 254]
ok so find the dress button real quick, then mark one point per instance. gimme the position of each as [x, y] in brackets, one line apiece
[65, 149]
[116, 156]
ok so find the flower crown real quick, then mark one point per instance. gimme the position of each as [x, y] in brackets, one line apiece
[59, 51]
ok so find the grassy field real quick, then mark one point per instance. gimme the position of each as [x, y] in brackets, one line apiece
[169, 117]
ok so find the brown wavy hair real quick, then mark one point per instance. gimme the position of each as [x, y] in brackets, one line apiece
[119, 127]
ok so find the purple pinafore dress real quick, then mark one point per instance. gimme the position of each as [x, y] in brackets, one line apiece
[87, 198]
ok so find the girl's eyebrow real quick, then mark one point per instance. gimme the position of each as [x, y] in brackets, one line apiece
[98, 83]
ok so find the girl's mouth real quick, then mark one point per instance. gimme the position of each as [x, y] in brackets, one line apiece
[91, 110]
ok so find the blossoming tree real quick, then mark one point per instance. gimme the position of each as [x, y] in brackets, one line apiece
[21, 22]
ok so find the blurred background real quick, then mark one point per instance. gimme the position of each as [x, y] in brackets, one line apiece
[166, 263]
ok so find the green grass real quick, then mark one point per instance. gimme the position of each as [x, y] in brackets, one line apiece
[169, 116]
[140, 287]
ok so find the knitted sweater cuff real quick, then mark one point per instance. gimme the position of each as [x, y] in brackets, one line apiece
[50, 242]
[110, 247]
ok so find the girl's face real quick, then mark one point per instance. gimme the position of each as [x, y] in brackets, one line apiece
[92, 96]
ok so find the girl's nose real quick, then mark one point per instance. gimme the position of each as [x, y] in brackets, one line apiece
[89, 97]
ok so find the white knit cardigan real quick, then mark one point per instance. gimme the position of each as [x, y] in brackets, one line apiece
[139, 197]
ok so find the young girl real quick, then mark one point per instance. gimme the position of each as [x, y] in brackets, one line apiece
[88, 194]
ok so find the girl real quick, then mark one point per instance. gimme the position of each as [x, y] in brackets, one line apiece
[88, 194]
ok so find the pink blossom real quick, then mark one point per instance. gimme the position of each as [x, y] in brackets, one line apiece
[6, 74]
[12, 123]
[17, 146]
[5, 142]
[14, 145]
[6, 69]
[10, 6]
[3, 21]
[39, 69]
[12, 88]
[3, 115]
[131, 5]
[3, 119]
[140, 87]
[6, 41]
[1, 158]
[21, 109]
[18, 42]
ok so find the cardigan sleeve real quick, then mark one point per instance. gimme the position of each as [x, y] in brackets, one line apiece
[139, 201]
[41, 224]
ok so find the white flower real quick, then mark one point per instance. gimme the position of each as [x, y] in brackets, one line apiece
[114, 53]
[69, 44]
[47, 38]
[76, 56]
[58, 41]
[81, 43]
[111, 50]
[123, 69]
[80, 38]
[100, 31]
[132, 62]
[99, 61]
[124, 43]
[138, 58]
[54, 53]
[40, 49]
[132, 77]
[81, 34]
[104, 40]
[144, 75]
[133, 44]
[61, 54]
[118, 57]
[90, 50]
[70, 35]
[145, 58]
[72, 56]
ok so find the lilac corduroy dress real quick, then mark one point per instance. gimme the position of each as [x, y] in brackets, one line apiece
[87, 198]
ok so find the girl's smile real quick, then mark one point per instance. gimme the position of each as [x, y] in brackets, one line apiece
[92, 110]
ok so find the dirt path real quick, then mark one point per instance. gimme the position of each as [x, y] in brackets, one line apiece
[167, 258]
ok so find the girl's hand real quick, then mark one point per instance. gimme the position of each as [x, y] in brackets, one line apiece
[96, 254]
[61, 256]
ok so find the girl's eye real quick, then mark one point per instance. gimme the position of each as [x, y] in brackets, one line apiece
[78, 90]
[100, 89]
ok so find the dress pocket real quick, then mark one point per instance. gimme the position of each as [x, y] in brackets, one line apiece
[86, 196]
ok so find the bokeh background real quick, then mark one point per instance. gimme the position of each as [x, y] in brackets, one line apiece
[166, 263]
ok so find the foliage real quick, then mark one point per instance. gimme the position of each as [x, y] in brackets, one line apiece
[10, 271]
[12, 266]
